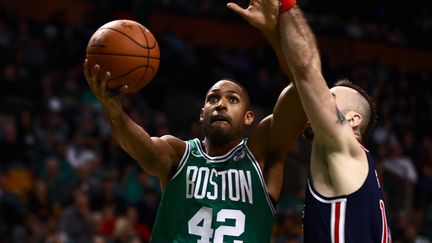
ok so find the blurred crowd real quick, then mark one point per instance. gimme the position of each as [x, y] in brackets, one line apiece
[395, 23]
[63, 179]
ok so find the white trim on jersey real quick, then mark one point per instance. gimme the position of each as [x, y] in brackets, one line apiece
[337, 215]
[323, 200]
[364, 148]
[377, 179]
[260, 174]
[221, 158]
[183, 160]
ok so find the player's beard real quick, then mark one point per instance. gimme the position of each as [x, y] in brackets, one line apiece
[218, 136]
[308, 133]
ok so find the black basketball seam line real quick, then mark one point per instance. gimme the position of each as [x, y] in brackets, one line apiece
[145, 47]
[148, 54]
[146, 66]
[122, 55]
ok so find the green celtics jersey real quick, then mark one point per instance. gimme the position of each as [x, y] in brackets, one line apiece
[215, 199]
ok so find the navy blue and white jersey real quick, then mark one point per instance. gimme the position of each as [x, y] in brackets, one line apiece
[358, 217]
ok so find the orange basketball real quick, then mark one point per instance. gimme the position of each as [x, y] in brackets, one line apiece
[126, 49]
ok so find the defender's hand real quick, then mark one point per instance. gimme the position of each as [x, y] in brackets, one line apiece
[262, 14]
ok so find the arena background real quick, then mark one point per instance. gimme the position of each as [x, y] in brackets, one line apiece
[62, 179]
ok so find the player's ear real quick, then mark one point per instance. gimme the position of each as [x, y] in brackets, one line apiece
[201, 118]
[249, 118]
[354, 119]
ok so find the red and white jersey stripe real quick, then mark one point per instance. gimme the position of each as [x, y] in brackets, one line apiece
[337, 224]
[358, 217]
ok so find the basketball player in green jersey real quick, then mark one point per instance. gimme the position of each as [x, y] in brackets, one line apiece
[222, 188]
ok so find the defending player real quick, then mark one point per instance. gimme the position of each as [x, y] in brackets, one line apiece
[344, 201]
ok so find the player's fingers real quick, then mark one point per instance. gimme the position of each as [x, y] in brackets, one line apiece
[237, 9]
[95, 73]
[124, 88]
[88, 75]
[86, 70]
[104, 81]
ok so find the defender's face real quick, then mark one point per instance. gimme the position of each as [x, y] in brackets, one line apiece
[223, 115]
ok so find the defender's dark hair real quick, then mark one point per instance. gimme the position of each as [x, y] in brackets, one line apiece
[373, 112]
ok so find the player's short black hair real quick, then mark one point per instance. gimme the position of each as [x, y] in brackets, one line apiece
[243, 88]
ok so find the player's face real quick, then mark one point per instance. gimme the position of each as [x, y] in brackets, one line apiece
[224, 114]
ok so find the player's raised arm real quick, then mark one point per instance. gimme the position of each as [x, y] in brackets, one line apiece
[157, 156]
[300, 49]
[284, 126]
[271, 140]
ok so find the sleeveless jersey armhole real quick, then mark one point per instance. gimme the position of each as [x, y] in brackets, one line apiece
[183, 160]
[270, 201]
[364, 148]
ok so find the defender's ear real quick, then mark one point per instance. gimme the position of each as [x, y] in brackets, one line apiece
[354, 119]
[201, 117]
[249, 118]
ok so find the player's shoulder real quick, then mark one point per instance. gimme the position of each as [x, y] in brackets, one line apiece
[176, 143]
[169, 137]
[259, 134]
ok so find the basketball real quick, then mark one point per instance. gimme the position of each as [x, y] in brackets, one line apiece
[126, 49]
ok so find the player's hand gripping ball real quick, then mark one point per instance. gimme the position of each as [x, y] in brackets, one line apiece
[126, 49]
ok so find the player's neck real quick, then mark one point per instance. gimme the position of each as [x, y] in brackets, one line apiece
[216, 149]
[358, 136]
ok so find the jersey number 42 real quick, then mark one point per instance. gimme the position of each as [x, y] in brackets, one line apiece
[200, 225]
